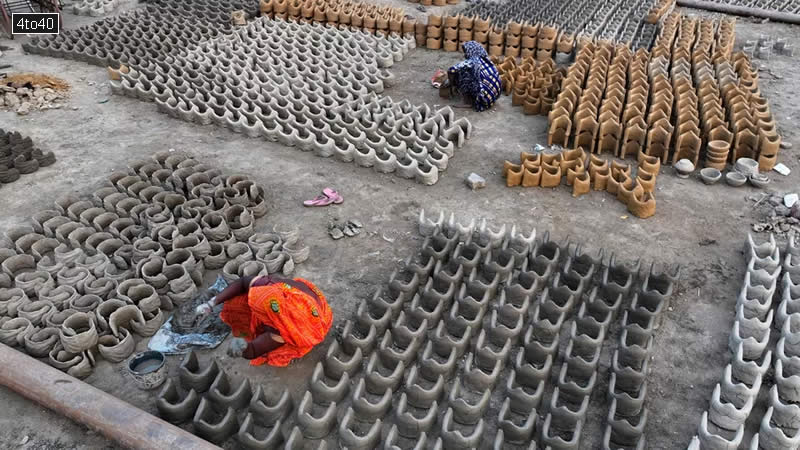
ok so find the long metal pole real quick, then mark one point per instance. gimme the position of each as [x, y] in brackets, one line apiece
[775, 16]
[113, 418]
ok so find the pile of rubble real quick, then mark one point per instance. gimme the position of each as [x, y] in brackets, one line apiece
[27, 92]
[778, 213]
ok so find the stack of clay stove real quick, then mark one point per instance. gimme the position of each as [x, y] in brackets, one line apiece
[219, 406]
[18, 156]
[734, 398]
[363, 16]
[533, 85]
[547, 169]
[689, 93]
[452, 31]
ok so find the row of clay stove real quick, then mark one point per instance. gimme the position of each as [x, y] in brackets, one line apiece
[219, 407]
[517, 40]
[627, 22]
[548, 168]
[412, 141]
[561, 295]
[627, 418]
[18, 156]
[722, 426]
[95, 8]
[154, 33]
[559, 12]
[790, 6]
[764, 47]
[370, 18]
[115, 262]
[532, 85]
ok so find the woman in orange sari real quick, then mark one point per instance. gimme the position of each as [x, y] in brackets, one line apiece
[274, 319]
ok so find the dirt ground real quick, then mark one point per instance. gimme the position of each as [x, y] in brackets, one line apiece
[700, 227]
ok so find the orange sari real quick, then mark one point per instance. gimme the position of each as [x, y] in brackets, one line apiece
[299, 319]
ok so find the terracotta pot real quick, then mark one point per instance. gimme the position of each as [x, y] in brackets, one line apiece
[767, 162]
[530, 158]
[573, 172]
[566, 43]
[551, 176]
[481, 24]
[513, 173]
[558, 132]
[433, 43]
[450, 46]
[512, 51]
[649, 163]
[646, 180]
[643, 205]
[356, 19]
[769, 142]
[580, 184]
[451, 33]
[528, 42]
[627, 188]
[532, 106]
[434, 32]
[382, 23]
[497, 37]
[551, 158]
[451, 21]
[600, 178]
[532, 175]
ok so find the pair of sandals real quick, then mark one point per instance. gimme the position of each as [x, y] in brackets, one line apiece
[328, 197]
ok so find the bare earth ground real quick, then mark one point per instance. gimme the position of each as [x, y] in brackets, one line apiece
[91, 139]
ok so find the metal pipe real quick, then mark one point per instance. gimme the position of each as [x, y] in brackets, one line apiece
[113, 418]
[775, 16]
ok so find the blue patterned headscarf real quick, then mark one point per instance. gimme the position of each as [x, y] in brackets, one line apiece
[477, 77]
[469, 71]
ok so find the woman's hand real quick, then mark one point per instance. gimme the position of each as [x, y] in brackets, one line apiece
[237, 347]
[205, 309]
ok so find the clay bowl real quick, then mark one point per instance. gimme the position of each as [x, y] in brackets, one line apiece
[683, 168]
[735, 179]
[148, 369]
[759, 180]
[746, 166]
[710, 175]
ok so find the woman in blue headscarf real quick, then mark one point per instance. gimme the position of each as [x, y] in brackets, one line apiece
[476, 78]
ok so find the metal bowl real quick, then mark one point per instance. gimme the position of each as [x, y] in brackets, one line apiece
[148, 369]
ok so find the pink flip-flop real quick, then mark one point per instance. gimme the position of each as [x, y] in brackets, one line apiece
[329, 196]
[331, 193]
